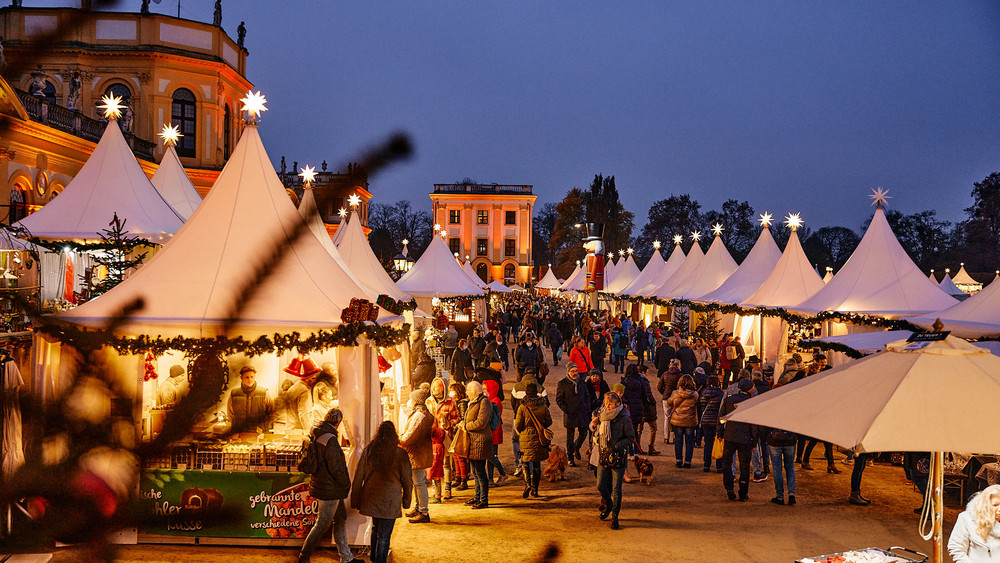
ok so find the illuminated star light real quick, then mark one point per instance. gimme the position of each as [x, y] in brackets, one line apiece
[354, 200]
[717, 229]
[405, 242]
[656, 244]
[342, 212]
[629, 250]
[765, 219]
[253, 103]
[880, 197]
[437, 227]
[308, 175]
[678, 239]
[794, 221]
[170, 135]
[112, 106]
[621, 253]
[695, 235]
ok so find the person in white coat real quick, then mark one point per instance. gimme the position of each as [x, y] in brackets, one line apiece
[976, 536]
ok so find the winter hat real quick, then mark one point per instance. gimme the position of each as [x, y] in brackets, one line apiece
[753, 359]
[596, 371]
[699, 370]
[176, 370]
[619, 389]
[419, 396]
[745, 384]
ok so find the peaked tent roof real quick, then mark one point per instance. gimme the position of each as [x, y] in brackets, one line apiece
[579, 282]
[610, 270]
[828, 276]
[646, 276]
[111, 181]
[756, 268]
[338, 235]
[688, 266]
[713, 269]
[191, 283]
[357, 254]
[670, 267]
[467, 268]
[437, 274]
[791, 281]
[949, 287]
[976, 317]
[963, 277]
[879, 279]
[931, 277]
[626, 273]
[548, 281]
[497, 287]
[174, 185]
[572, 278]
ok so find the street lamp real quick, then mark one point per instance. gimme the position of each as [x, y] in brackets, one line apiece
[402, 261]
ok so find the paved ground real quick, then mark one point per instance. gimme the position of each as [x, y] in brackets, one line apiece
[683, 516]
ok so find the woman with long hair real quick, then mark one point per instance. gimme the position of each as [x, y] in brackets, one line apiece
[383, 486]
[683, 403]
[976, 535]
[614, 433]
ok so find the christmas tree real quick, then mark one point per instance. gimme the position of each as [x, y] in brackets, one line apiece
[118, 256]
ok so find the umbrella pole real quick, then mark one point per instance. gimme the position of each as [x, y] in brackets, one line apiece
[937, 547]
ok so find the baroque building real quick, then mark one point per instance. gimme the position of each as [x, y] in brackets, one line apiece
[490, 225]
[332, 189]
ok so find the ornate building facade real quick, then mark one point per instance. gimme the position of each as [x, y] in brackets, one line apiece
[490, 224]
[331, 190]
[166, 69]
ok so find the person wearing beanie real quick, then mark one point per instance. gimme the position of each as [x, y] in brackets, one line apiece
[478, 415]
[739, 437]
[174, 388]
[416, 440]
[531, 418]
[330, 485]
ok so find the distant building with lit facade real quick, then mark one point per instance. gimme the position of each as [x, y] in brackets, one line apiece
[166, 69]
[490, 224]
[331, 190]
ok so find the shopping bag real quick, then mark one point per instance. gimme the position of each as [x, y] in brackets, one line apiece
[717, 448]
[460, 443]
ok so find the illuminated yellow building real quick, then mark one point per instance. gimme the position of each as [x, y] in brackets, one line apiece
[489, 223]
[167, 70]
[332, 189]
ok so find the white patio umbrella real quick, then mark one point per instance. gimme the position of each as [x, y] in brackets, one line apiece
[937, 396]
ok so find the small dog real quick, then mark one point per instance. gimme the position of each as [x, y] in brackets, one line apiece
[556, 468]
[645, 469]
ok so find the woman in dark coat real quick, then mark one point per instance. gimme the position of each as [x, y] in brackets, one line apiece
[461, 363]
[330, 485]
[634, 398]
[614, 434]
[532, 411]
[382, 487]
[425, 368]
[477, 424]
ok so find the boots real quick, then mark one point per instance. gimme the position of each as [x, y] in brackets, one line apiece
[831, 468]
[536, 477]
[857, 499]
[528, 478]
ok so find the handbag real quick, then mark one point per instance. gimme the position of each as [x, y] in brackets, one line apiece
[496, 366]
[543, 369]
[613, 457]
[460, 443]
[544, 434]
[717, 448]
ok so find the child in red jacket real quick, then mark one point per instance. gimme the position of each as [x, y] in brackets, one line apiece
[435, 473]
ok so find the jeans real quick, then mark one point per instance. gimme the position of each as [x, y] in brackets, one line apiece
[420, 489]
[760, 460]
[860, 462]
[447, 472]
[729, 453]
[599, 363]
[574, 445]
[667, 429]
[783, 457]
[684, 443]
[494, 462]
[482, 481]
[709, 431]
[557, 354]
[609, 484]
[618, 361]
[329, 511]
[381, 533]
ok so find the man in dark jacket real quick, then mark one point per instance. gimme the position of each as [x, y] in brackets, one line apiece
[462, 370]
[739, 437]
[664, 353]
[555, 343]
[477, 347]
[598, 348]
[330, 485]
[573, 398]
[526, 355]
[496, 350]
[686, 355]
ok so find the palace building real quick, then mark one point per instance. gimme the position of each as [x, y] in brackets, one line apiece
[166, 69]
[332, 189]
[490, 224]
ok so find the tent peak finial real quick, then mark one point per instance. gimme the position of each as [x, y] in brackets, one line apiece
[880, 197]
[765, 219]
[170, 135]
[253, 105]
[112, 106]
[794, 221]
[308, 174]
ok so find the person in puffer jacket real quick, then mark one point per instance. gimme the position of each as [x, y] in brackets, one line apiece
[493, 390]
[330, 485]
[633, 397]
[709, 401]
[683, 405]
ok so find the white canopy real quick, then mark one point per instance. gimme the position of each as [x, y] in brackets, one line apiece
[497, 287]
[931, 277]
[174, 185]
[976, 317]
[609, 268]
[669, 268]
[879, 279]
[548, 281]
[648, 274]
[516, 287]
[963, 277]
[754, 270]
[687, 267]
[357, 254]
[111, 181]
[191, 284]
[713, 269]
[828, 276]
[950, 288]
[437, 274]
[864, 342]
[471, 272]
[338, 235]
[625, 274]
[573, 279]
[791, 282]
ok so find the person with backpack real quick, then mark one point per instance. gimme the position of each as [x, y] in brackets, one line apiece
[619, 349]
[530, 422]
[416, 440]
[330, 484]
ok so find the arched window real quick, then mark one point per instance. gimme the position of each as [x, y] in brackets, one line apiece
[508, 273]
[18, 205]
[121, 91]
[227, 128]
[49, 92]
[183, 113]
[481, 271]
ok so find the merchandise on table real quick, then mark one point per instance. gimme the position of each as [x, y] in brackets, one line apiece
[867, 555]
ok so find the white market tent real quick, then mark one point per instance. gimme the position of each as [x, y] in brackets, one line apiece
[949, 287]
[879, 279]
[791, 281]
[437, 274]
[646, 276]
[965, 282]
[516, 287]
[625, 274]
[338, 235]
[686, 268]
[713, 270]
[610, 269]
[931, 277]
[497, 287]
[471, 272]
[976, 317]
[174, 185]
[111, 181]
[191, 284]
[572, 279]
[747, 279]
[829, 275]
[670, 267]
[357, 254]
[549, 280]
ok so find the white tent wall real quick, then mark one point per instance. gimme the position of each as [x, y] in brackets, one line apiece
[53, 272]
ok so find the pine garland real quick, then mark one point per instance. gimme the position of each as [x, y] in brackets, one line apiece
[834, 346]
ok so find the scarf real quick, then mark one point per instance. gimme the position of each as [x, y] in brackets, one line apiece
[604, 429]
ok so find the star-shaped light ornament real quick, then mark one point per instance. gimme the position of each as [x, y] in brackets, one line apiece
[308, 175]
[678, 239]
[112, 106]
[717, 229]
[765, 219]
[342, 212]
[880, 197]
[437, 227]
[794, 221]
[621, 253]
[170, 135]
[253, 105]
[630, 250]
[696, 235]
[354, 200]
[656, 244]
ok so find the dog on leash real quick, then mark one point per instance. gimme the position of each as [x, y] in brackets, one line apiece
[556, 468]
[645, 469]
